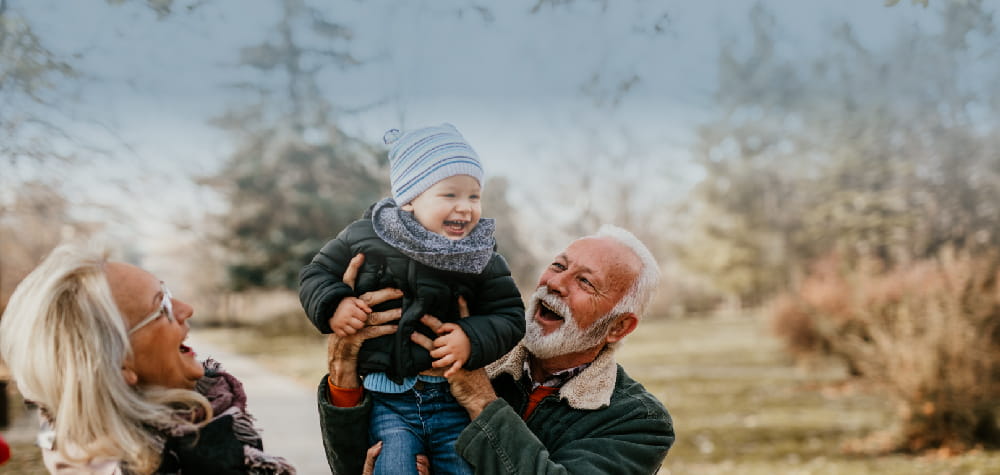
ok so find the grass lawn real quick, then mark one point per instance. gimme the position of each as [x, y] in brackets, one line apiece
[740, 405]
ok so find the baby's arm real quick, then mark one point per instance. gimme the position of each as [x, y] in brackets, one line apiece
[451, 348]
[321, 285]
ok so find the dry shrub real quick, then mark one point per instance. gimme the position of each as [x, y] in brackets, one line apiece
[928, 333]
[812, 319]
[795, 326]
[933, 341]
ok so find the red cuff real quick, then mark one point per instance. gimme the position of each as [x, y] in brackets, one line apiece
[344, 397]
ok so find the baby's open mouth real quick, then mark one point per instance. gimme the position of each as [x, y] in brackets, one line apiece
[456, 226]
[184, 348]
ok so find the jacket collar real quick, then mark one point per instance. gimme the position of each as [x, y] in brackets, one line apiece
[591, 389]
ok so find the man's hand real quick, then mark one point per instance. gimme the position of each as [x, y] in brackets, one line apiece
[472, 389]
[423, 463]
[342, 350]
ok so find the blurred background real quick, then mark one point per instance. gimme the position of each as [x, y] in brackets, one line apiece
[820, 182]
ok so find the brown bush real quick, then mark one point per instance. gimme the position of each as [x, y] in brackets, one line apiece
[812, 319]
[795, 326]
[928, 333]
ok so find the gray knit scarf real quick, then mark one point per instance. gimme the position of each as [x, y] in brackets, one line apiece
[402, 231]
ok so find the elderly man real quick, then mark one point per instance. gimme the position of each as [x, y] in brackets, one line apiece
[558, 402]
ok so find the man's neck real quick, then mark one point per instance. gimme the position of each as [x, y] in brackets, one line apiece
[542, 368]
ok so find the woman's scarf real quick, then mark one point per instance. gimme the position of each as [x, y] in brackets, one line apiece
[401, 230]
[226, 396]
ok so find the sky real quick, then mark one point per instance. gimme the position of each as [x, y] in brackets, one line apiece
[528, 90]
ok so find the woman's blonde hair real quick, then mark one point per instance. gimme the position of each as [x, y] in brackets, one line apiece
[65, 342]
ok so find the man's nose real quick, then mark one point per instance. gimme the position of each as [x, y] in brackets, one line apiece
[556, 283]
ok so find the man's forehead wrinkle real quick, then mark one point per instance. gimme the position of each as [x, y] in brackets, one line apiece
[580, 266]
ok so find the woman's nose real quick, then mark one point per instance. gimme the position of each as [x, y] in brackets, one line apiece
[182, 311]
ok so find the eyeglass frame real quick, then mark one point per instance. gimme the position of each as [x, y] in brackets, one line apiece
[166, 308]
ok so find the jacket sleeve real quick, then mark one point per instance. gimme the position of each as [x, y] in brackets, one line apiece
[499, 442]
[496, 321]
[320, 282]
[344, 431]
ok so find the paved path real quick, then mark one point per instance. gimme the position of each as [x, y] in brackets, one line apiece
[285, 409]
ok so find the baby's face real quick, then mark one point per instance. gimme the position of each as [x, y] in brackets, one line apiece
[450, 207]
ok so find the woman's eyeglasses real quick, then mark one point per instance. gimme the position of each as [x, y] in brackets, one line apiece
[166, 309]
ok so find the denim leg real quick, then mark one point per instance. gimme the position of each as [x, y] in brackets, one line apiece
[444, 419]
[395, 420]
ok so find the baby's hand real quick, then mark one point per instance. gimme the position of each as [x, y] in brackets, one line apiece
[451, 348]
[350, 316]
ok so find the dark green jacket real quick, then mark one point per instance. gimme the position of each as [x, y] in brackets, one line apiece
[601, 422]
[495, 324]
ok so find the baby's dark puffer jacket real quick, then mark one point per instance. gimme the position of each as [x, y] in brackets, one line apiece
[496, 321]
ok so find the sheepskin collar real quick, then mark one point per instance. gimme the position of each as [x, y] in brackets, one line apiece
[591, 389]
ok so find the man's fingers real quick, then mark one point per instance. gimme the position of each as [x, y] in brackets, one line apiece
[423, 465]
[422, 340]
[432, 322]
[463, 307]
[376, 297]
[368, 333]
[351, 273]
[370, 457]
[378, 318]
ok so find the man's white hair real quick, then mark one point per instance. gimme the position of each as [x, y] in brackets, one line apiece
[636, 300]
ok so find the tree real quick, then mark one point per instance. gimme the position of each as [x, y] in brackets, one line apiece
[31, 225]
[884, 159]
[496, 204]
[295, 178]
[29, 73]
[884, 153]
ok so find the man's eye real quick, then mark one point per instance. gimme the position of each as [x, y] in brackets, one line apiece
[557, 266]
[586, 282]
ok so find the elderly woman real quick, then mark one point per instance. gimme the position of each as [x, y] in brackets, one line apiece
[99, 346]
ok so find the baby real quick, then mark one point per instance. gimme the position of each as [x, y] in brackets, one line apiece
[429, 241]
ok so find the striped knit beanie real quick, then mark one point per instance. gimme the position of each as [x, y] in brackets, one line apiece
[420, 158]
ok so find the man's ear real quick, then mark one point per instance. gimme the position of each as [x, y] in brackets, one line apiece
[626, 324]
[130, 376]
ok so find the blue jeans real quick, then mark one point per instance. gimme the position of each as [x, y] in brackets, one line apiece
[423, 420]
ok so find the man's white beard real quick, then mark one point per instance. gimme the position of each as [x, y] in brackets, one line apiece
[568, 338]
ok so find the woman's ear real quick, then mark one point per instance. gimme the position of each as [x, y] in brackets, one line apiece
[130, 376]
[626, 324]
